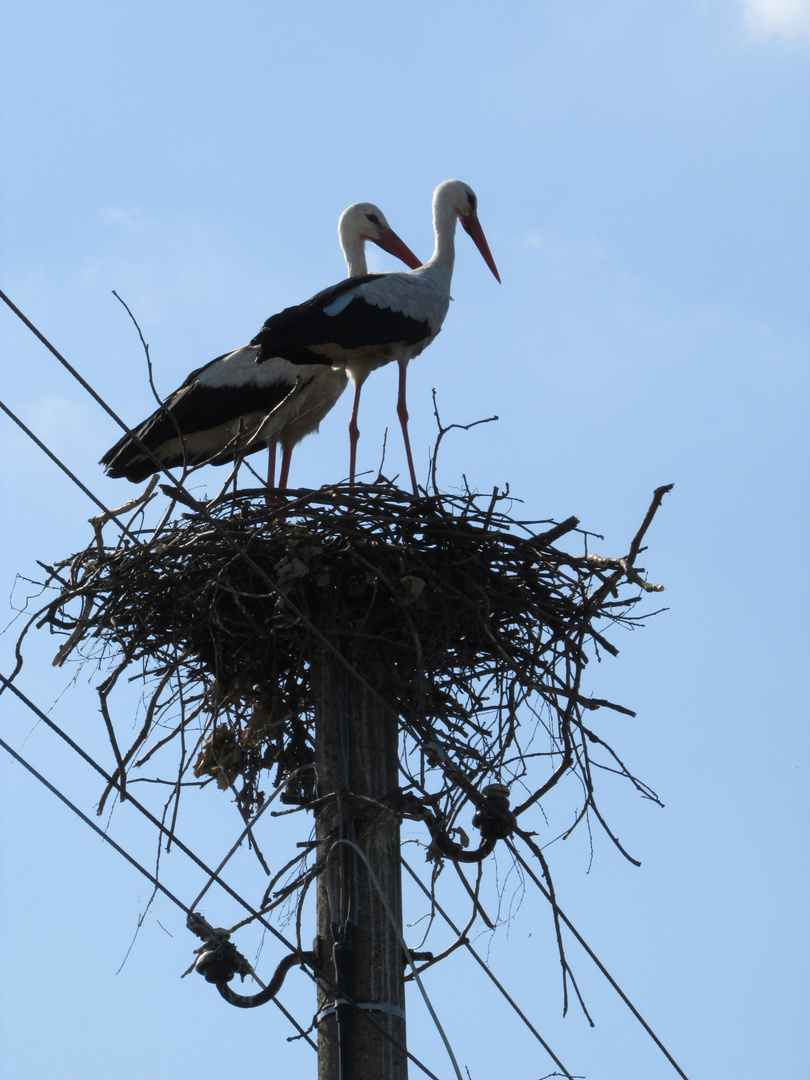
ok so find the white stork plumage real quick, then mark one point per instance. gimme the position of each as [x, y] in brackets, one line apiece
[368, 321]
[234, 406]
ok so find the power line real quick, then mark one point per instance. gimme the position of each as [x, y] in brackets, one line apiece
[576, 934]
[72, 476]
[595, 958]
[69, 367]
[96, 828]
[158, 825]
[213, 876]
[483, 965]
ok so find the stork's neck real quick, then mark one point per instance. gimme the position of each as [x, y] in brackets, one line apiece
[354, 252]
[444, 254]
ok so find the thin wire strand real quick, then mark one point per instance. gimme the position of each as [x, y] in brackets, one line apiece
[164, 831]
[246, 830]
[481, 963]
[96, 828]
[212, 874]
[597, 961]
[79, 379]
[137, 805]
[72, 476]
[121, 851]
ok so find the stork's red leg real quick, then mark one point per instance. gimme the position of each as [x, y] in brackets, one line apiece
[271, 463]
[354, 432]
[286, 457]
[271, 471]
[402, 413]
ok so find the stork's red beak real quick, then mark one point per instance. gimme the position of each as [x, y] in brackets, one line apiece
[390, 242]
[473, 226]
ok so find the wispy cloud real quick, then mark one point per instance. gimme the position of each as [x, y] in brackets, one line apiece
[560, 247]
[116, 215]
[786, 18]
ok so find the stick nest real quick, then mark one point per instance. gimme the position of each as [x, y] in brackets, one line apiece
[465, 621]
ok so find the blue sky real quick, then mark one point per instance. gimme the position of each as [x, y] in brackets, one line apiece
[642, 173]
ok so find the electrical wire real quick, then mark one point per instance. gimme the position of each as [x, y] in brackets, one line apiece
[57, 461]
[597, 961]
[213, 875]
[592, 955]
[163, 830]
[481, 963]
[130, 859]
[69, 367]
[96, 828]
[247, 829]
[409, 958]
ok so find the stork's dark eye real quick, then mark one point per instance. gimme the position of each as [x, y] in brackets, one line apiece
[472, 201]
[374, 220]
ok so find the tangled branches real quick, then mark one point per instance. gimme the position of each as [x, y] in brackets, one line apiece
[472, 628]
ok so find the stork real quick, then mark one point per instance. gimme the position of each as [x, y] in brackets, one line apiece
[366, 322]
[233, 406]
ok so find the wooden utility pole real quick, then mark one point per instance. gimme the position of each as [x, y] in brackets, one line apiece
[362, 1037]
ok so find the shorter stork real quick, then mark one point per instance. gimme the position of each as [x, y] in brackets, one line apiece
[234, 406]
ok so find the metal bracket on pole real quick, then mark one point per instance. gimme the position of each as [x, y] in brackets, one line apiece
[370, 1006]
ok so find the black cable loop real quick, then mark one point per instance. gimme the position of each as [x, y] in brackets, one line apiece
[218, 961]
[494, 820]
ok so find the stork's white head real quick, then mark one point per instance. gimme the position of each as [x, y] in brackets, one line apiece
[457, 198]
[457, 195]
[364, 221]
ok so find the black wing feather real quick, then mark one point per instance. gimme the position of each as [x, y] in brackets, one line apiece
[296, 332]
[193, 408]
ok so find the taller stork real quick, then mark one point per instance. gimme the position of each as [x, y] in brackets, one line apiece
[233, 406]
[368, 321]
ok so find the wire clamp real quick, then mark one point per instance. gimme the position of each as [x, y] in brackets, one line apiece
[369, 1006]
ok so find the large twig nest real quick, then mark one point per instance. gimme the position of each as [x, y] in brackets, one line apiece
[456, 614]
